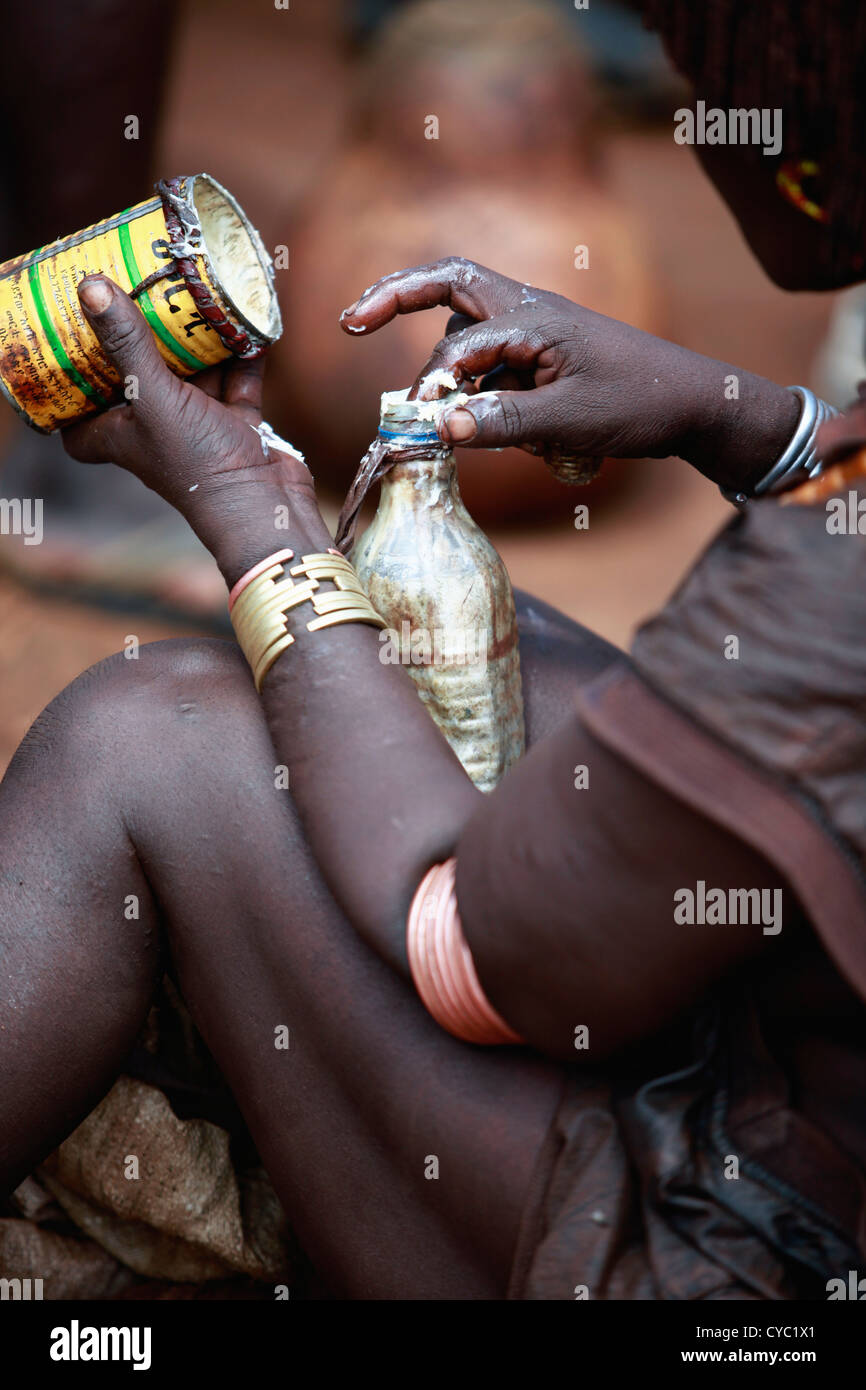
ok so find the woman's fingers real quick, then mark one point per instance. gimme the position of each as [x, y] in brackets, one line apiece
[502, 331]
[99, 440]
[503, 341]
[457, 323]
[210, 381]
[495, 419]
[470, 289]
[242, 387]
[129, 345]
[505, 379]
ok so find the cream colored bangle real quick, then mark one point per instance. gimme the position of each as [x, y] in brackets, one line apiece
[264, 596]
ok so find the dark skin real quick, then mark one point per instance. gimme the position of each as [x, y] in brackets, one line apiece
[554, 373]
[785, 242]
[289, 908]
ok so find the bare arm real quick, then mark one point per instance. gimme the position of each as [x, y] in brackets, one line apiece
[381, 794]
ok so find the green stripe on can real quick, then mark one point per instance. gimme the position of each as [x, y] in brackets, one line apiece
[56, 346]
[146, 305]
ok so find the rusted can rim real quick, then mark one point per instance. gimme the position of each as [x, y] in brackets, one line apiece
[183, 225]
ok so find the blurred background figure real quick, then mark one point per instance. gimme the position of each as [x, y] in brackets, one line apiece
[473, 130]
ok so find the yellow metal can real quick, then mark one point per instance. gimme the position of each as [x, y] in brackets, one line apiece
[197, 269]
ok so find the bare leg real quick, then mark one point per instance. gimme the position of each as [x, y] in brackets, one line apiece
[556, 656]
[154, 781]
[78, 961]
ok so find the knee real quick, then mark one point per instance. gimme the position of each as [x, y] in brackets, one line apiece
[194, 666]
[549, 636]
[170, 693]
[139, 697]
[557, 655]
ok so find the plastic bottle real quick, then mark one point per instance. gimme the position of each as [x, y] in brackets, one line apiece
[444, 591]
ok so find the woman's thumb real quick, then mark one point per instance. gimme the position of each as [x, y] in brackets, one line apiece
[494, 419]
[122, 331]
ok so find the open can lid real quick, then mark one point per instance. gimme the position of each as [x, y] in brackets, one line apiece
[227, 269]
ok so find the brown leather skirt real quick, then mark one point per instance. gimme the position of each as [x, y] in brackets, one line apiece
[707, 1182]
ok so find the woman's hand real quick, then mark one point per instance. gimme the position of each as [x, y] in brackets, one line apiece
[554, 374]
[193, 444]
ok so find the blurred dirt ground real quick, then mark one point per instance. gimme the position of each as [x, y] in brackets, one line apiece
[266, 149]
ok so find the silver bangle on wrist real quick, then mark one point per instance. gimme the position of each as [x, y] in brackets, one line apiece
[798, 461]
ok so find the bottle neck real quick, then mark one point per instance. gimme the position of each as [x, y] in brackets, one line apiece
[434, 465]
[430, 474]
[407, 433]
[405, 424]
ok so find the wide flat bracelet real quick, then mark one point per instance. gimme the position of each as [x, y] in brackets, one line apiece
[798, 461]
[262, 602]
